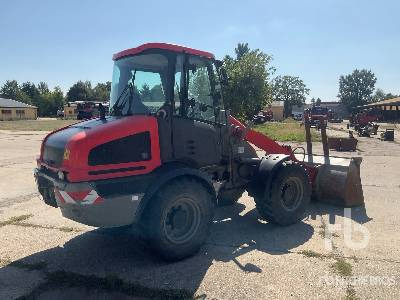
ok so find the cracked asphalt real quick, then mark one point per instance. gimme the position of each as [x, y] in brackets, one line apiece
[244, 257]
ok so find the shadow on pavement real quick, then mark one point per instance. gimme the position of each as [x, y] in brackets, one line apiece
[357, 214]
[235, 231]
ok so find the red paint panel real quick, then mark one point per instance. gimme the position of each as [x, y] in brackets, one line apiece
[98, 201]
[164, 46]
[80, 145]
[79, 196]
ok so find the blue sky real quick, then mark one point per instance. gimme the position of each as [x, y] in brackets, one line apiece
[61, 42]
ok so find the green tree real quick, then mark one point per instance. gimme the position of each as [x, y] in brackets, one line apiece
[50, 102]
[157, 93]
[318, 102]
[199, 84]
[145, 92]
[248, 89]
[47, 102]
[390, 96]
[101, 92]
[380, 95]
[291, 90]
[22, 97]
[241, 50]
[43, 88]
[31, 90]
[80, 91]
[58, 99]
[12, 90]
[356, 88]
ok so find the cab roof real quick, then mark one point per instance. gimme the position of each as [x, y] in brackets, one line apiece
[164, 46]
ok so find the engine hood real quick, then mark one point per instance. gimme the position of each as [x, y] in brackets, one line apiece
[54, 144]
[68, 149]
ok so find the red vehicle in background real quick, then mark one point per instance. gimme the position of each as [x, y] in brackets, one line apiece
[316, 114]
[362, 118]
[89, 109]
[86, 110]
[263, 116]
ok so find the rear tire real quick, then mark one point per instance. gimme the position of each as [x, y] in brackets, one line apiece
[178, 219]
[288, 198]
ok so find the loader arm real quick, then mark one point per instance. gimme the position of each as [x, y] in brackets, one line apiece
[261, 141]
[332, 181]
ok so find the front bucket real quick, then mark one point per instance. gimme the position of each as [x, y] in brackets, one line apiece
[339, 182]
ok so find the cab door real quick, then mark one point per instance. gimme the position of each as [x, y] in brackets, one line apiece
[196, 135]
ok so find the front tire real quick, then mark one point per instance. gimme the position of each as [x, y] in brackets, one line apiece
[288, 198]
[178, 219]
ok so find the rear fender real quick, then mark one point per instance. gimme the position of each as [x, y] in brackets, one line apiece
[169, 173]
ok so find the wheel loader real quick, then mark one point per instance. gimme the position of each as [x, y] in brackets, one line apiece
[168, 153]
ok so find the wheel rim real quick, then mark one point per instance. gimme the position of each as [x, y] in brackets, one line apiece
[292, 192]
[182, 220]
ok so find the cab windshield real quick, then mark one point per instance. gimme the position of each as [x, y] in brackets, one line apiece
[138, 84]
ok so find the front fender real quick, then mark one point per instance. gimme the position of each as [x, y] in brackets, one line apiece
[169, 173]
[266, 171]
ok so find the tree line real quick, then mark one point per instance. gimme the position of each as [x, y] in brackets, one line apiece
[49, 101]
[357, 89]
[251, 86]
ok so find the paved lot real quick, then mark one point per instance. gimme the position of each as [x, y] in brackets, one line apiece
[244, 257]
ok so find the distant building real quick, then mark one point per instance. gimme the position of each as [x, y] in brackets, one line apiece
[298, 110]
[277, 108]
[70, 110]
[389, 109]
[15, 110]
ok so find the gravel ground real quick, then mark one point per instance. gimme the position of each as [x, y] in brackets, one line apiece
[244, 257]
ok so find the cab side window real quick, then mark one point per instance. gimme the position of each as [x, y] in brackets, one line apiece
[200, 101]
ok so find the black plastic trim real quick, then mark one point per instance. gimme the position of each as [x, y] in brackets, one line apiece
[109, 171]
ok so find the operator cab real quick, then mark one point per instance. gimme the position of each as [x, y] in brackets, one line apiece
[173, 80]
[180, 86]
